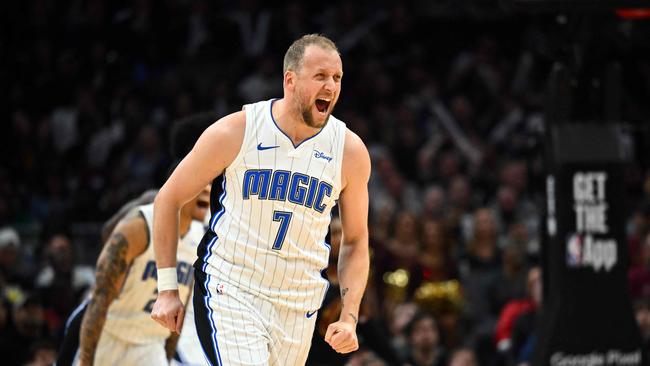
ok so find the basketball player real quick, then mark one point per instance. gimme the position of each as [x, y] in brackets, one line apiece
[116, 328]
[188, 351]
[285, 164]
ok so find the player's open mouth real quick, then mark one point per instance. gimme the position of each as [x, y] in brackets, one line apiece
[203, 203]
[322, 105]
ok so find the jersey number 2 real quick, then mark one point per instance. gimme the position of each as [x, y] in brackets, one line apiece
[283, 217]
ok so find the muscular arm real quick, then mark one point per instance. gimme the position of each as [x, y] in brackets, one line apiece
[213, 152]
[128, 240]
[353, 256]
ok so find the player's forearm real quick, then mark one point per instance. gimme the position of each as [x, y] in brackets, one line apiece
[165, 230]
[111, 268]
[91, 328]
[353, 275]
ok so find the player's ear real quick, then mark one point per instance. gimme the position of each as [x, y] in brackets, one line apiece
[290, 80]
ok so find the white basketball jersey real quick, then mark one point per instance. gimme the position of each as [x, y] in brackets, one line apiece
[268, 239]
[129, 316]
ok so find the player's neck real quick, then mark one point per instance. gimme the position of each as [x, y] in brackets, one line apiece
[291, 123]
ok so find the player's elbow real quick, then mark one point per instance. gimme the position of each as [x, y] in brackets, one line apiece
[165, 199]
[358, 240]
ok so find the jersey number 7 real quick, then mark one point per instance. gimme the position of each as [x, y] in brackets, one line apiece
[283, 217]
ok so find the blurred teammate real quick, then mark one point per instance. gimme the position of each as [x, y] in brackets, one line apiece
[116, 327]
[286, 163]
[188, 352]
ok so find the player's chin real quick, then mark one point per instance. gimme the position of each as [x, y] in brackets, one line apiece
[199, 213]
[319, 119]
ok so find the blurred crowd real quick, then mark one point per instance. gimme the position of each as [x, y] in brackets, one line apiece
[449, 100]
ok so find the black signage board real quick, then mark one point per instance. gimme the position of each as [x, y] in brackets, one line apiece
[587, 318]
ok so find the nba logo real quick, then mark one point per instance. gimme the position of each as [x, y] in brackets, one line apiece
[574, 251]
[220, 288]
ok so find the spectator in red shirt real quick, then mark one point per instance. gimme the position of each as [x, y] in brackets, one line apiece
[515, 308]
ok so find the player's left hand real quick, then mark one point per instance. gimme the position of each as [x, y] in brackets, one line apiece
[342, 336]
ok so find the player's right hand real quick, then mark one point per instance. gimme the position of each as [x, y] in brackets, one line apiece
[342, 336]
[168, 310]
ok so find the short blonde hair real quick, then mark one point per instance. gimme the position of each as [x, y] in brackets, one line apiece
[294, 56]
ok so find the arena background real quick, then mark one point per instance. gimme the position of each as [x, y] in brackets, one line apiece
[454, 100]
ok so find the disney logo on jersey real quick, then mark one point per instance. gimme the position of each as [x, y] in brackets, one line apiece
[321, 155]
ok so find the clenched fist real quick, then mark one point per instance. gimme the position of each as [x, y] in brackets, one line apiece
[342, 337]
[168, 310]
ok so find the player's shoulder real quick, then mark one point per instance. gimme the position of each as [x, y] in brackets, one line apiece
[229, 124]
[356, 159]
[224, 136]
[259, 106]
[144, 210]
[354, 145]
[135, 220]
[136, 215]
[133, 230]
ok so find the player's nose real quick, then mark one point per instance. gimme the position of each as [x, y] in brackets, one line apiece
[330, 85]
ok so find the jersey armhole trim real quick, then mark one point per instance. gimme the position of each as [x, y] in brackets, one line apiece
[339, 163]
[146, 225]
